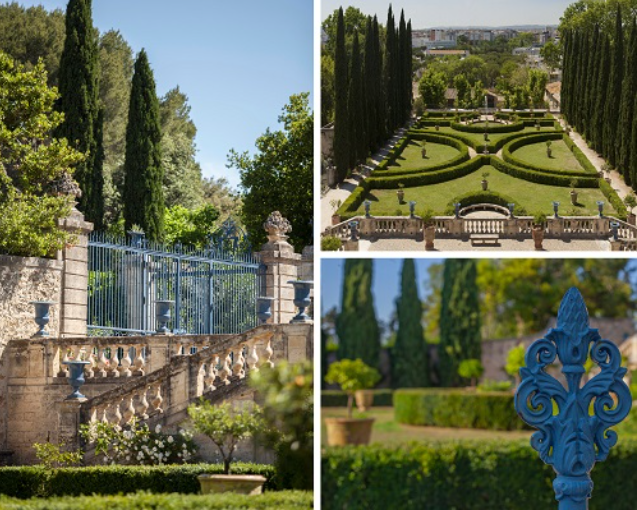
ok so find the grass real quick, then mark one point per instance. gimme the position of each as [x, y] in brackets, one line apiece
[532, 197]
[387, 432]
[561, 159]
[478, 138]
[411, 157]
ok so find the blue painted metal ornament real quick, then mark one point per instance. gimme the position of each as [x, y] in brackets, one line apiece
[575, 438]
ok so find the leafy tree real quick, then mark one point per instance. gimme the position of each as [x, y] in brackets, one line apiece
[79, 101]
[432, 88]
[537, 87]
[353, 20]
[143, 190]
[552, 55]
[472, 370]
[356, 326]
[410, 358]
[327, 89]
[352, 376]
[218, 193]
[190, 227]
[280, 176]
[515, 361]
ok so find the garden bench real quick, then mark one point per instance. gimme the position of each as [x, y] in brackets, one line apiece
[484, 239]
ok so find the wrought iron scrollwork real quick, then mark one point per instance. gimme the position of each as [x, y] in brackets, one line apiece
[573, 420]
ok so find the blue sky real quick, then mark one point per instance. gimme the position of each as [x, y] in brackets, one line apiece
[429, 13]
[238, 61]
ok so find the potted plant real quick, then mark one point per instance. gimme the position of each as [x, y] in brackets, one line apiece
[226, 428]
[539, 221]
[437, 127]
[401, 193]
[573, 192]
[352, 376]
[336, 205]
[429, 229]
[423, 151]
[631, 202]
[537, 126]
[549, 152]
[485, 183]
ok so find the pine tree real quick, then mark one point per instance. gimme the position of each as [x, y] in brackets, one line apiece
[356, 134]
[79, 101]
[341, 88]
[459, 319]
[143, 181]
[614, 92]
[410, 357]
[625, 127]
[356, 325]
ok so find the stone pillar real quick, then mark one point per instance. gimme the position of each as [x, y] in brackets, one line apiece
[74, 295]
[455, 227]
[69, 423]
[350, 245]
[615, 245]
[281, 265]
[511, 227]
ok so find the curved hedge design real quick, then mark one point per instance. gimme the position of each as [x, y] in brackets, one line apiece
[494, 128]
[456, 408]
[542, 177]
[483, 197]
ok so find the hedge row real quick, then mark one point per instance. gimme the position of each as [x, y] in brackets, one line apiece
[579, 155]
[450, 114]
[434, 123]
[483, 197]
[523, 115]
[36, 481]
[486, 475]
[336, 398]
[143, 501]
[456, 408]
[612, 196]
[354, 201]
[511, 147]
[394, 152]
[551, 179]
[541, 122]
[493, 128]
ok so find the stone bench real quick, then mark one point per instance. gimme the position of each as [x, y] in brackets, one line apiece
[484, 239]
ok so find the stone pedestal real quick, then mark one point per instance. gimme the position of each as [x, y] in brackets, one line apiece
[556, 226]
[615, 245]
[455, 227]
[69, 423]
[350, 245]
[511, 227]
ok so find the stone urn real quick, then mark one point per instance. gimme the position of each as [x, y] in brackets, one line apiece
[76, 378]
[430, 236]
[264, 309]
[302, 299]
[42, 315]
[485, 184]
[538, 236]
[348, 431]
[364, 399]
[573, 197]
[163, 315]
[277, 227]
[239, 484]
[401, 195]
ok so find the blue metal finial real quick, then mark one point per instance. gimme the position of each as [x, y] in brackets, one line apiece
[573, 439]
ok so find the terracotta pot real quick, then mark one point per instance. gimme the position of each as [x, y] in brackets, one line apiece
[344, 431]
[336, 219]
[430, 235]
[364, 399]
[574, 197]
[538, 236]
[485, 185]
[401, 196]
[239, 484]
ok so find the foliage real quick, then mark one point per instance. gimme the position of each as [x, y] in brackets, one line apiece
[432, 88]
[630, 201]
[327, 89]
[38, 481]
[219, 194]
[515, 361]
[137, 444]
[190, 227]
[456, 408]
[331, 243]
[352, 376]
[56, 455]
[490, 386]
[279, 177]
[225, 427]
[143, 183]
[338, 398]
[471, 369]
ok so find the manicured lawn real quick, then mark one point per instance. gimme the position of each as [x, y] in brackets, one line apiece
[532, 197]
[386, 431]
[411, 156]
[561, 158]
[478, 138]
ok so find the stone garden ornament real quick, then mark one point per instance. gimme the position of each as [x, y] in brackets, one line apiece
[575, 435]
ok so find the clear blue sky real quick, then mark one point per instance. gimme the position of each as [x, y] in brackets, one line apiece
[430, 13]
[238, 61]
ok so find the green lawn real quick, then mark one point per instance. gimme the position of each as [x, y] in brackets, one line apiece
[561, 158]
[386, 431]
[478, 138]
[411, 156]
[533, 197]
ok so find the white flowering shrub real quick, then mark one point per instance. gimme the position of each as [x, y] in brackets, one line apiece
[137, 444]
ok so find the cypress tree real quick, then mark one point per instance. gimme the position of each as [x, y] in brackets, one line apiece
[582, 80]
[143, 173]
[356, 325]
[401, 105]
[79, 101]
[566, 62]
[633, 147]
[95, 209]
[459, 319]
[611, 115]
[356, 134]
[410, 358]
[341, 88]
[371, 85]
[592, 82]
[381, 103]
[625, 127]
[389, 71]
[408, 73]
[600, 102]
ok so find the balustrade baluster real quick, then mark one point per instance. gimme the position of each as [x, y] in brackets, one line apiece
[117, 413]
[268, 352]
[225, 372]
[158, 399]
[143, 405]
[105, 413]
[64, 351]
[140, 362]
[111, 369]
[253, 358]
[102, 362]
[90, 369]
[211, 374]
[129, 409]
[125, 362]
[239, 360]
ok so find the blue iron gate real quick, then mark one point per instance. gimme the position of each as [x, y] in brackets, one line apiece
[214, 290]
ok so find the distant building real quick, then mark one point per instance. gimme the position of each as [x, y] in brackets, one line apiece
[553, 95]
[446, 53]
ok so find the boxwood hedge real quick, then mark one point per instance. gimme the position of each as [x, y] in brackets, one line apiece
[542, 177]
[336, 398]
[483, 197]
[486, 475]
[456, 408]
[612, 196]
[493, 128]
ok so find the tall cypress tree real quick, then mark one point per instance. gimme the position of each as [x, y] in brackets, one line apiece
[629, 89]
[79, 101]
[459, 319]
[389, 72]
[370, 80]
[143, 181]
[381, 103]
[592, 82]
[408, 74]
[566, 66]
[341, 88]
[614, 92]
[633, 147]
[355, 100]
[410, 357]
[356, 325]
[401, 103]
[602, 88]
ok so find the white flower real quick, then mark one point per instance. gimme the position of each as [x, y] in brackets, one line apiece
[170, 439]
[158, 429]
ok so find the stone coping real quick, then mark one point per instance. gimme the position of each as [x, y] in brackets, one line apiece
[35, 262]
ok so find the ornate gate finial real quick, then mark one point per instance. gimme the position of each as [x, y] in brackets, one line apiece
[573, 439]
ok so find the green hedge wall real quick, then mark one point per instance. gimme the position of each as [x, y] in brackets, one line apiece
[143, 501]
[483, 197]
[542, 122]
[37, 481]
[451, 114]
[493, 128]
[434, 123]
[538, 177]
[487, 475]
[354, 201]
[456, 408]
[524, 115]
[337, 398]
[612, 196]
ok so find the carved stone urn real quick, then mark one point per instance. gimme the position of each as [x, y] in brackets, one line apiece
[76, 378]
[364, 399]
[42, 315]
[344, 431]
[302, 299]
[573, 197]
[264, 309]
[277, 227]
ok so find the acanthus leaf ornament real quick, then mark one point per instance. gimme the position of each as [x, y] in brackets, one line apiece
[570, 437]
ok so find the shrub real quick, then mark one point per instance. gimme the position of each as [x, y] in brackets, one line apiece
[489, 386]
[331, 243]
[337, 398]
[56, 455]
[487, 475]
[612, 196]
[456, 408]
[471, 369]
[352, 376]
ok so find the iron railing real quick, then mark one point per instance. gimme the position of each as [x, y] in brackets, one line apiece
[214, 289]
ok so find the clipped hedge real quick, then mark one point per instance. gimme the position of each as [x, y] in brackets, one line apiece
[612, 196]
[483, 197]
[354, 201]
[434, 123]
[337, 398]
[541, 122]
[456, 408]
[289, 500]
[492, 129]
[451, 114]
[523, 115]
[467, 475]
[36, 481]
[552, 179]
